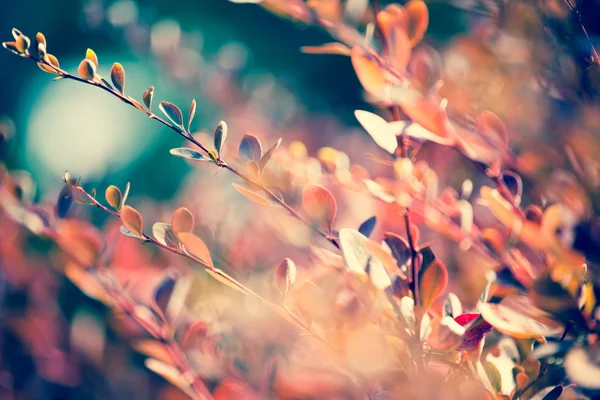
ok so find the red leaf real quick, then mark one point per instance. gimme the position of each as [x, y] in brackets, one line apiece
[319, 203]
[474, 333]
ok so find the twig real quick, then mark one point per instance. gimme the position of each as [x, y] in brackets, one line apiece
[187, 136]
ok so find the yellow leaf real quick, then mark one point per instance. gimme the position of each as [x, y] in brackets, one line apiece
[253, 196]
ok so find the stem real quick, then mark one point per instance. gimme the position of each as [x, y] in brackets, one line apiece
[187, 136]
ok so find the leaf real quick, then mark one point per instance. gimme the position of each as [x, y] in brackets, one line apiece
[126, 194]
[311, 302]
[182, 220]
[512, 323]
[476, 329]
[117, 76]
[169, 373]
[132, 220]
[165, 235]
[514, 183]
[154, 349]
[12, 47]
[65, 200]
[253, 196]
[196, 247]
[126, 232]
[433, 279]
[91, 55]
[378, 191]
[40, 39]
[549, 393]
[220, 136]
[354, 253]
[264, 160]
[379, 130]
[399, 248]
[285, 276]
[86, 69]
[327, 48]
[148, 96]
[225, 279]
[491, 126]
[369, 72]
[165, 287]
[250, 149]
[582, 369]
[113, 197]
[172, 112]
[191, 114]
[22, 43]
[452, 306]
[418, 19]
[493, 375]
[366, 228]
[320, 204]
[79, 240]
[189, 154]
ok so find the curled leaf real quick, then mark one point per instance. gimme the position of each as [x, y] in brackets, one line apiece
[379, 130]
[253, 196]
[366, 228]
[268, 154]
[433, 279]
[132, 220]
[285, 276]
[191, 114]
[418, 19]
[22, 43]
[188, 154]
[320, 204]
[250, 149]
[164, 234]
[87, 69]
[90, 55]
[182, 220]
[117, 76]
[113, 197]
[220, 136]
[172, 112]
[148, 96]
[65, 200]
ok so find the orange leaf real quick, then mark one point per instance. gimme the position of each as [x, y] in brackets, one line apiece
[418, 19]
[327, 48]
[182, 220]
[368, 71]
[132, 220]
[319, 203]
[253, 196]
[432, 283]
[196, 247]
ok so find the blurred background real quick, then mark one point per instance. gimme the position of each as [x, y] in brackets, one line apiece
[242, 65]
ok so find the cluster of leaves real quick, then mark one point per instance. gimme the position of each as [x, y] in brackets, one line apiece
[379, 308]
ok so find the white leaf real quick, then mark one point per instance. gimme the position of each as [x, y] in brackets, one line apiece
[379, 129]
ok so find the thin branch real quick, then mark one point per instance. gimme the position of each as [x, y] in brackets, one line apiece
[187, 136]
